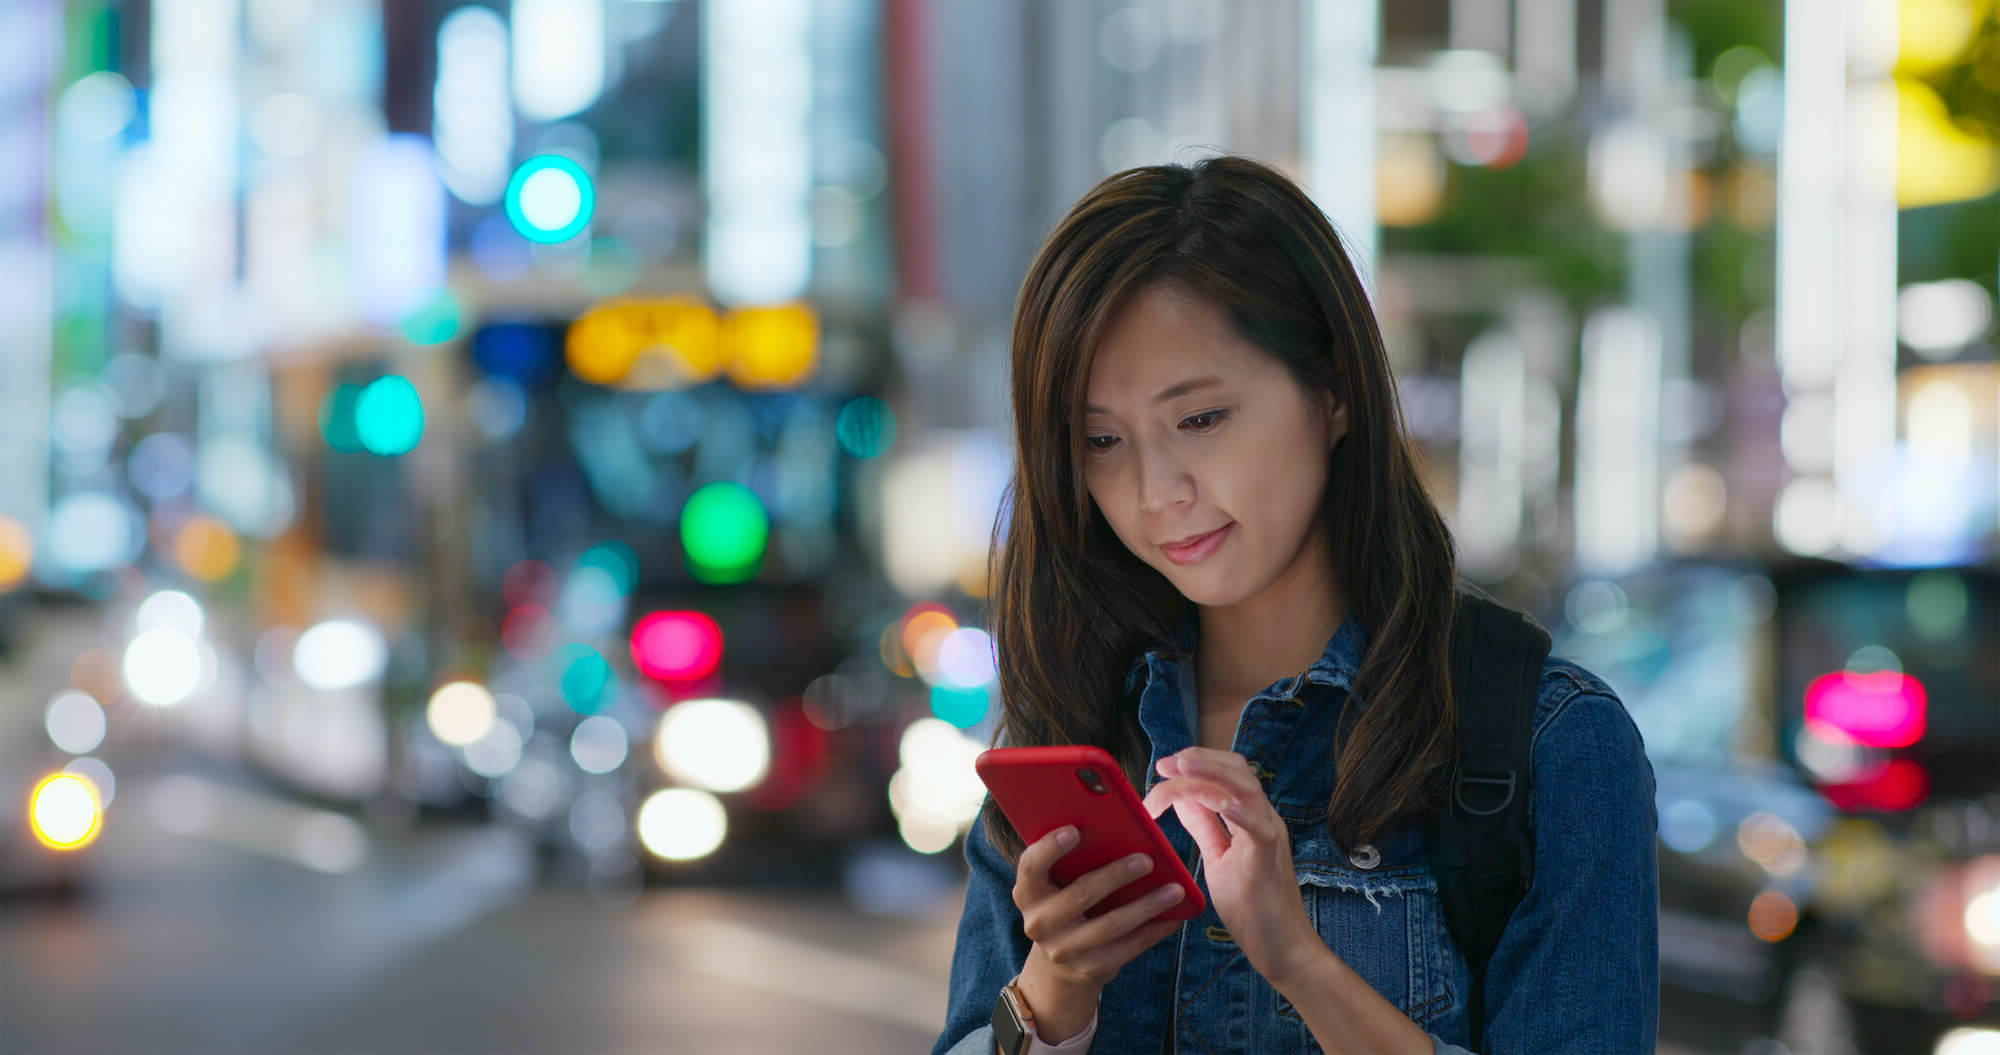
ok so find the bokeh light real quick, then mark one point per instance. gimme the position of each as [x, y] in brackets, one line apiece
[713, 744]
[170, 608]
[339, 654]
[438, 320]
[163, 666]
[772, 347]
[338, 417]
[925, 630]
[965, 659]
[100, 776]
[677, 646]
[75, 722]
[550, 199]
[17, 552]
[528, 632]
[592, 603]
[91, 532]
[962, 707]
[683, 342]
[63, 811]
[617, 560]
[724, 529]
[602, 347]
[599, 744]
[682, 824]
[206, 549]
[497, 753]
[161, 466]
[586, 681]
[389, 416]
[1773, 916]
[460, 713]
[865, 427]
[936, 793]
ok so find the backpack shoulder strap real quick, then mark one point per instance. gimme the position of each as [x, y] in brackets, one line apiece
[1482, 848]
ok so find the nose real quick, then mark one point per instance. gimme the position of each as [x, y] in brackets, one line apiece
[1163, 482]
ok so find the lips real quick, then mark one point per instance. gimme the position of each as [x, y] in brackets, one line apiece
[1196, 547]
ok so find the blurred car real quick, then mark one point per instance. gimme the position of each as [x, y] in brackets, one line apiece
[1826, 740]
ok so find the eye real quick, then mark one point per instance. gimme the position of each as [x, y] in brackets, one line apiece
[1100, 443]
[1205, 421]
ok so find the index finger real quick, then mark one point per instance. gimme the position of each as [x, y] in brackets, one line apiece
[1041, 855]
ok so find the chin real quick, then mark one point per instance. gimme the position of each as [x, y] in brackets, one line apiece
[1204, 587]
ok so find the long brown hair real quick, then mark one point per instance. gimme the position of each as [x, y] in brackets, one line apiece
[1071, 608]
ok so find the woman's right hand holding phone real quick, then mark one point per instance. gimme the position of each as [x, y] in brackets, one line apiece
[1074, 956]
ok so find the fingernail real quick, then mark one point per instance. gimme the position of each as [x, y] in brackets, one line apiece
[1066, 838]
[1138, 863]
[1168, 894]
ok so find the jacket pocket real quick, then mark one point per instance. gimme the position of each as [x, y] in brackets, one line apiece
[1385, 922]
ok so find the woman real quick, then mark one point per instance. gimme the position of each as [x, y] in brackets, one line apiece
[1222, 567]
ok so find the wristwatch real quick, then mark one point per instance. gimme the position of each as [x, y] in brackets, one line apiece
[1013, 1023]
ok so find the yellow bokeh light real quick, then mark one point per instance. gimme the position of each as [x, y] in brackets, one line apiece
[17, 552]
[924, 632]
[207, 549]
[63, 811]
[602, 345]
[1938, 162]
[1932, 33]
[1409, 179]
[893, 656]
[683, 342]
[774, 347]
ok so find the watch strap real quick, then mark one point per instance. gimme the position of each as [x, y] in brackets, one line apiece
[1013, 1022]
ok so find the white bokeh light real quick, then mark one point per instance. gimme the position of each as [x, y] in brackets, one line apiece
[99, 775]
[495, 754]
[965, 660]
[75, 722]
[163, 666]
[339, 654]
[170, 608]
[682, 824]
[460, 713]
[550, 199]
[64, 810]
[599, 744]
[717, 745]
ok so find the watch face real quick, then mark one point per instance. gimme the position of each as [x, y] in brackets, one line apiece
[1010, 1034]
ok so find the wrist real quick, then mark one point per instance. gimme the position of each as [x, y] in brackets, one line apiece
[1061, 1009]
[1300, 971]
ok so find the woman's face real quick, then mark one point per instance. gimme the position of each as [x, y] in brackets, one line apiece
[1193, 433]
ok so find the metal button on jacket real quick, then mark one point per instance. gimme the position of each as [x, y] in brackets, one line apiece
[1365, 856]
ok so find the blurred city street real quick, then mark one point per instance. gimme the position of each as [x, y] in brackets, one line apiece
[443, 941]
[504, 504]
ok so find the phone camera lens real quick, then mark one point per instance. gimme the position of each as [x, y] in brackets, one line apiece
[1092, 781]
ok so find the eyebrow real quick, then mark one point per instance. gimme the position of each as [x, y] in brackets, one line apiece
[1170, 392]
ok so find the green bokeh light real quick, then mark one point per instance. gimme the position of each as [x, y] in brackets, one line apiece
[337, 418]
[587, 683]
[436, 322]
[617, 560]
[866, 427]
[963, 708]
[724, 529]
[389, 416]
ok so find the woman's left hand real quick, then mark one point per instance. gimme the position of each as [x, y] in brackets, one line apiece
[1246, 853]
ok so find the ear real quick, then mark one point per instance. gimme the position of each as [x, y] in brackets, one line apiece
[1336, 418]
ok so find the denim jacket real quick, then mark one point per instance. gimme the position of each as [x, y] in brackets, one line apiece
[1577, 969]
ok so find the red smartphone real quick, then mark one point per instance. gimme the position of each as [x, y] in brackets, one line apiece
[1041, 789]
